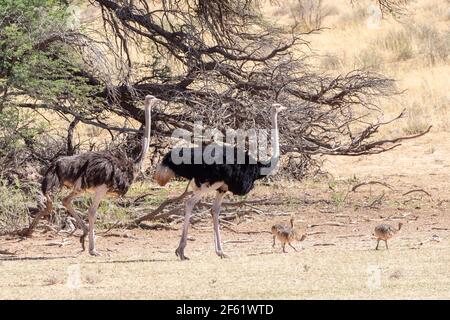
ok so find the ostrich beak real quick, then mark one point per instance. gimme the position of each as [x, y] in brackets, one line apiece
[149, 98]
[278, 107]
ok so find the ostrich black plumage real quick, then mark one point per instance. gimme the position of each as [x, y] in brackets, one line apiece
[219, 176]
[103, 173]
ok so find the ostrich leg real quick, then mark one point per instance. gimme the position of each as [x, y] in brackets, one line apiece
[190, 204]
[215, 212]
[67, 203]
[100, 192]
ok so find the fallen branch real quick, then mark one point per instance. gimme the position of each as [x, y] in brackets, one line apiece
[119, 235]
[62, 243]
[417, 190]
[370, 183]
[161, 207]
[376, 202]
[314, 233]
[7, 253]
[351, 236]
[245, 232]
[110, 228]
[238, 241]
[156, 226]
[331, 224]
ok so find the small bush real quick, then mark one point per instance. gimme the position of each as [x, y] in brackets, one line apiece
[14, 203]
[398, 43]
[368, 59]
[432, 43]
[417, 120]
[353, 18]
[330, 62]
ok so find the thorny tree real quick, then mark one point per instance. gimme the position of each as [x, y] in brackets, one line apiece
[219, 61]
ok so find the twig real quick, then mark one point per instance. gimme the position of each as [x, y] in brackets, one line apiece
[110, 228]
[418, 190]
[8, 253]
[351, 236]
[376, 202]
[314, 233]
[245, 232]
[332, 224]
[238, 241]
[369, 183]
[139, 198]
[161, 207]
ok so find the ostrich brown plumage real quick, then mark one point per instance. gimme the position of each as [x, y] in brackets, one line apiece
[220, 176]
[286, 234]
[102, 173]
[385, 232]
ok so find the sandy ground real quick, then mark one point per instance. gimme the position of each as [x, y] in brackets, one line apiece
[335, 261]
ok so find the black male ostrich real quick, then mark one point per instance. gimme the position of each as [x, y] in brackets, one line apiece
[103, 173]
[238, 178]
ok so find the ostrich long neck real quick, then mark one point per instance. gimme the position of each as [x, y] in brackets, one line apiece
[275, 140]
[146, 137]
[272, 165]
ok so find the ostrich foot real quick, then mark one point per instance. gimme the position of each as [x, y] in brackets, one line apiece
[82, 238]
[94, 253]
[179, 252]
[221, 254]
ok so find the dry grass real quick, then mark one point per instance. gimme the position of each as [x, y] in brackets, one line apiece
[414, 51]
[311, 274]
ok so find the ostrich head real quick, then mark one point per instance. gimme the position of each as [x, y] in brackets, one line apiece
[276, 107]
[149, 98]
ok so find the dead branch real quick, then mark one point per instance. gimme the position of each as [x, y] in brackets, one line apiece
[417, 190]
[355, 187]
[351, 236]
[7, 253]
[161, 207]
[330, 224]
[315, 233]
[377, 202]
[239, 241]
[245, 232]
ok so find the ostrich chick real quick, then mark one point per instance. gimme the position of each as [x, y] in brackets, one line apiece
[385, 232]
[285, 234]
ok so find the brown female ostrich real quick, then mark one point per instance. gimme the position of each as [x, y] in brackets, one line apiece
[220, 176]
[103, 173]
